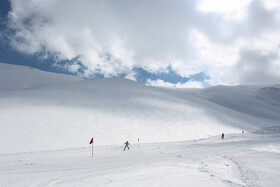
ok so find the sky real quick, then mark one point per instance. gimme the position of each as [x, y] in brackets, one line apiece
[178, 43]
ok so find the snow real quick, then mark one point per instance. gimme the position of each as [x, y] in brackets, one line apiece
[15, 77]
[48, 119]
[239, 160]
[258, 101]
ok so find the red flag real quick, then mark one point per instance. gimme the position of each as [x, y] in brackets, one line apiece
[91, 141]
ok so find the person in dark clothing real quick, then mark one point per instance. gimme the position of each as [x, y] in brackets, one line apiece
[126, 145]
[223, 136]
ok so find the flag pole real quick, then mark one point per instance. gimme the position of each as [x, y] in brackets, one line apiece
[91, 142]
[92, 148]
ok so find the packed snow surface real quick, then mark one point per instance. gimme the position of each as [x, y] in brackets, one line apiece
[48, 119]
[238, 160]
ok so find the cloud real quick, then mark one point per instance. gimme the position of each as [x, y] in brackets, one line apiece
[161, 83]
[233, 10]
[257, 67]
[131, 76]
[260, 19]
[113, 37]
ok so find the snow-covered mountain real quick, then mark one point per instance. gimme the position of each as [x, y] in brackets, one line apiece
[43, 111]
[47, 111]
[14, 77]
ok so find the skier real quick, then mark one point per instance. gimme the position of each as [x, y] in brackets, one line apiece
[223, 136]
[126, 145]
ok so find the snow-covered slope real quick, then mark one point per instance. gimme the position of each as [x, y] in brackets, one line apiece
[43, 111]
[14, 77]
[259, 101]
[238, 160]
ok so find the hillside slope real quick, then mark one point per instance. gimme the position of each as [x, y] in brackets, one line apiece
[260, 101]
[51, 111]
[15, 77]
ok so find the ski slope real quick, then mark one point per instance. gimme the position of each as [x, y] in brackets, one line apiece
[46, 111]
[48, 119]
[248, 160]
